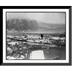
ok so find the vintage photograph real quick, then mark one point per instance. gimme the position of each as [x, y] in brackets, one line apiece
[35, 36]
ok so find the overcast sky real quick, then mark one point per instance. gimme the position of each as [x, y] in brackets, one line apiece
[53, 18]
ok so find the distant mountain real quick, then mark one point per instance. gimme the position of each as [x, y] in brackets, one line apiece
[21, 24]
[26, 25]
[55, 28]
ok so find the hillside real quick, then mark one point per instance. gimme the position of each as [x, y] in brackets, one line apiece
[33, 26]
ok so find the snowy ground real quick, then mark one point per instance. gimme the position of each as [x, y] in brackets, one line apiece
[38, 54]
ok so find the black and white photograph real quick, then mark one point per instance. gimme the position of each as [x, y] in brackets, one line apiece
[36, 36]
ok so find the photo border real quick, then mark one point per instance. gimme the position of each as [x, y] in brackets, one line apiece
[37, 7]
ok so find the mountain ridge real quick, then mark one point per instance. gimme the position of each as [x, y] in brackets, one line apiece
[33, 26]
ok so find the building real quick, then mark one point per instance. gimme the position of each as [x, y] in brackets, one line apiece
[33, 36]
